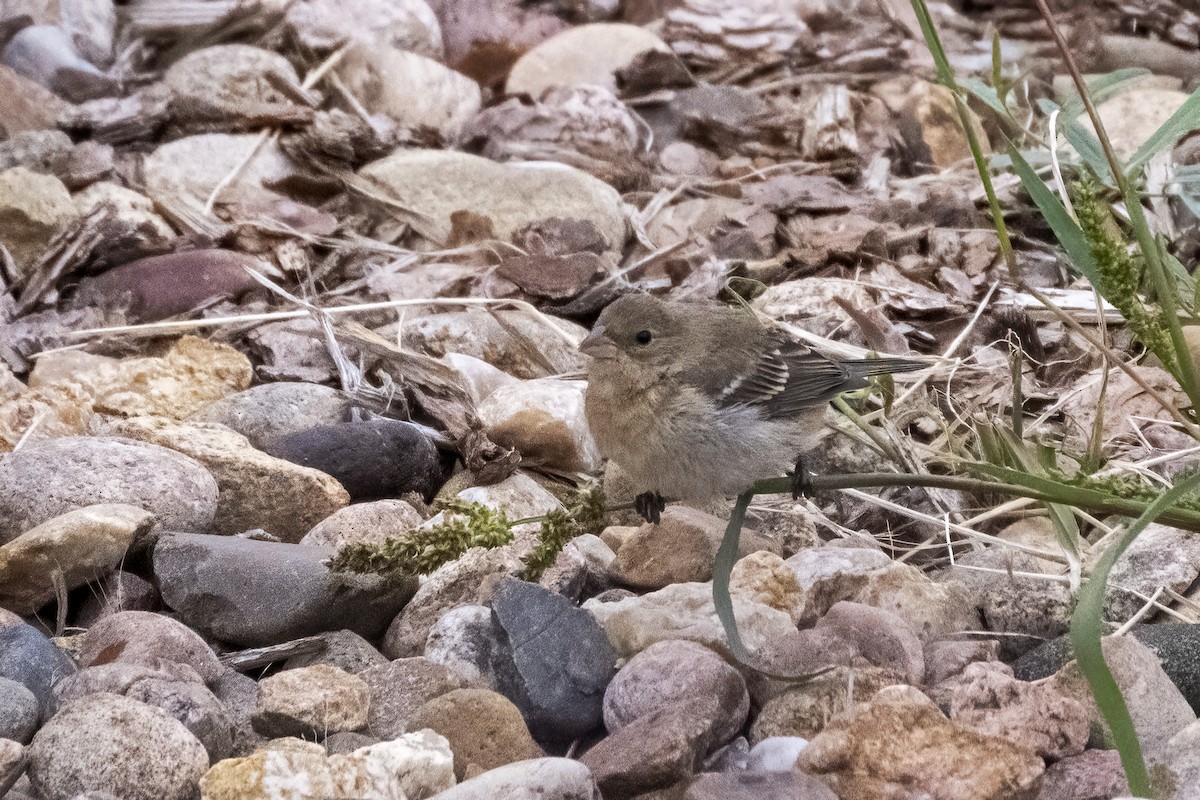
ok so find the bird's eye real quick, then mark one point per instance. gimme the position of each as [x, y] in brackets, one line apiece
[643, 337]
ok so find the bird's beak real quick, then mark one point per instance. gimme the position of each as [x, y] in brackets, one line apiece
[596, 344]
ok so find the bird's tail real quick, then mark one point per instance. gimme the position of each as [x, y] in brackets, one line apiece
[867, 367]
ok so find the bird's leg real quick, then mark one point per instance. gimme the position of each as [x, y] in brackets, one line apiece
[801, 482]
[650, 505]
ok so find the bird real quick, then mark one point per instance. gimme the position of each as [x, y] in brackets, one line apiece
[698, 400]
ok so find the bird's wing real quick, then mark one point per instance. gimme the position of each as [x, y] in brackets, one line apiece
[788, 378]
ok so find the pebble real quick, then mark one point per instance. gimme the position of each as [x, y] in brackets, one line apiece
[399, 688]
[13, 760]
[311, 701]
[325, 25]
[802, 711]
[66, 552]
[369, 523]
[557, 662]
[466, 640]
[268, 411]
[86, 470]
[19, 712]
[879, 636]
[109, 743]
[254, 593]
[1160, 557]
[668, 673]
[34, 208]
[532, 779]
[1091, 775]
[344, 650]
[118, 591]
[30, 659]
[372, 459]
[780, 785]
[142, 637]
[484, 728]
[585, 54]
[543, 420]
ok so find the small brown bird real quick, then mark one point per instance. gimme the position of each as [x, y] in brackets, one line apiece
[700, 400]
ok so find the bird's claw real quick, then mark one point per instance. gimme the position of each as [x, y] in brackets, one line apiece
[650, 506]
[801, 482]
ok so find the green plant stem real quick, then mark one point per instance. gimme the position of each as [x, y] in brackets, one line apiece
[1164, 285]
[1041, 489]
[1086, 632]
[723, 569]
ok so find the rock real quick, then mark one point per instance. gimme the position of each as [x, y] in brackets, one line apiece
[775, 754]
[900, 743]
[344, 650]
[239, 693]
[19, 712]
[13, 760]
[557, 663]
[534, 779]
[323, 26]
[468, 641]
[344, 742]
[518, 496]
[654, 751]
[46, 54]
[373, 459]
[418, 180]
[30, 659]
[671, 673]
[174, 688]
[1091, 775]
[234, 85]
[764, 577]
[1160, 557]
[802, 711]
[192, 374]
[140, 637]
[414, 765]
[108, 743]
[932, 609]
[399, 688]
[1158, 709]
[179, 492]
[30, 106]
[161, 286]
[256, 491]
[757, 786]
[268, 411]
[255, 593]
[829, 574]
[506, 339]
[945, 658]
[1026, 610]
[685, 611]
[363, 523]
[479, 377]
[543, 420]
[311, 701]
[34, 209]
[485, 729]
[63, 410]
[67, 551]
[292, 351]
[987, 699]
[926, 113]
[416, 92]
[39, 151]
[133, 230]
[586, 54]
[879, 636]
[581, 569]
[680, 549]
[118, 591]
[1131, 117]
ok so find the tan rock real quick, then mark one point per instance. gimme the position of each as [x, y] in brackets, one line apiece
[484, 728]
[33, 208]
[320, 699]
[586, 54]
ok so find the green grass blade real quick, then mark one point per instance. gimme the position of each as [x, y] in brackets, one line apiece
[1086, 631]
[1185, 119]
[1066, 230]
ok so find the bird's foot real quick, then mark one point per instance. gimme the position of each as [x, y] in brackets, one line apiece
[650, 505]
[801, 481]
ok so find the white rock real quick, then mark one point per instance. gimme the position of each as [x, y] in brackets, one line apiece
[544, 421]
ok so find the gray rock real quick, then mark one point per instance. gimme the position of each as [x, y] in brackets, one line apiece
[311, 701]
[343, 649]
[364, 523]
[533, 779]
[561, 660]
[467, 641]
[109, 743]
[373, 459]
[758, 786]
[238, 693]
[30, 659]
[673, 672]
[118, 591]
[398, 689]
[13, 760]
[256, 593]
[1160, 557]
[776, 754]
[347, 742]
[265, 413]
[175, 688]
[142, 637]
[85, 470]
[19, 712]
[882, 638]
[1094, 775]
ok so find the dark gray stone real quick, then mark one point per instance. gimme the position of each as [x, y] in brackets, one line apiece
[343, 649]
[373, 459]
[254, 593]
[30, 659]
[265, 413]
[19, 711]
[559, 660]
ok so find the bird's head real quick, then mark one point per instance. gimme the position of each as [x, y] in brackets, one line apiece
[638, 328]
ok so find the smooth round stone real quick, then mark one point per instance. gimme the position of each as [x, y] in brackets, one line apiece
[484, 728]
[142, 637]
[110, 743]
[268, 411]
[30, 659]
[19, 712]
